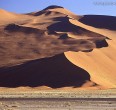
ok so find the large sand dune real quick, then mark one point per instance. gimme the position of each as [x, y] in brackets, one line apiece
[32, 47]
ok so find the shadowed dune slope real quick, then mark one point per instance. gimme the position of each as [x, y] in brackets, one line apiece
[54, 72]
[100, 21]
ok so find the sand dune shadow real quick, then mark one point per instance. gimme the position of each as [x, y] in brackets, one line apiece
[54, 72]
[100, 21]
[64, 26]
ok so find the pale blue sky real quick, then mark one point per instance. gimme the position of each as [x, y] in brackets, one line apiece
[80, 7]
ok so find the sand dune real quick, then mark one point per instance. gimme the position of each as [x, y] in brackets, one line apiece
[100, 63]
[32, 47]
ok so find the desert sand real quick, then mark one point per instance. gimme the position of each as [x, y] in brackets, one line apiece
[57, 49]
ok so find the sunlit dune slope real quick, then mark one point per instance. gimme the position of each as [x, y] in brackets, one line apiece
[100, 63]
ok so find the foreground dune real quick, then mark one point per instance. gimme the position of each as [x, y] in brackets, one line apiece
[32, 47]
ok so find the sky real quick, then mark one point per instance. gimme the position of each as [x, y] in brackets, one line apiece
[80, 7]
